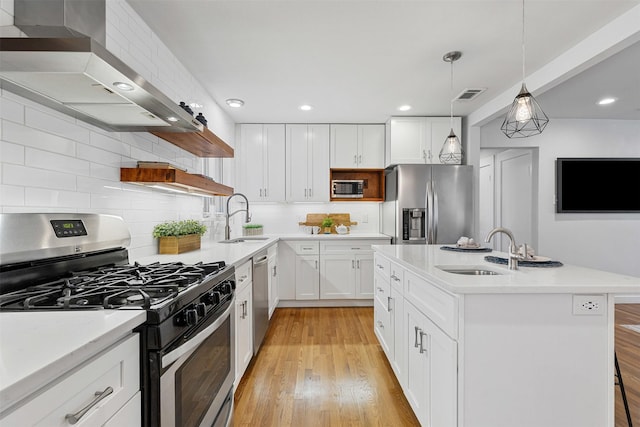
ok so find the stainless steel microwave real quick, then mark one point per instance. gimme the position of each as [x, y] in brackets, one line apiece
[347, 188]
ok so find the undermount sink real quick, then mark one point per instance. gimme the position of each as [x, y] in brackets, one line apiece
[469, 270]
[244, 240]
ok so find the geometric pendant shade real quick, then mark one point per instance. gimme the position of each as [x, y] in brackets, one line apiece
[525, 117]
[451, 151]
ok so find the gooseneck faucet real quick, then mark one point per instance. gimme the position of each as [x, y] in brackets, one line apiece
[514, 256]
[227, 229]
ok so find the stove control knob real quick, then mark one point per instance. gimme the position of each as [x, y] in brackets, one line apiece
[191, 316]
[201, 309]
[212, 298]
[226, 288]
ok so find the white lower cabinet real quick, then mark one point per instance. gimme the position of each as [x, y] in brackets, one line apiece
[340, 269]
[431, 383]
[243, 319]
[108, 384]
[421, 354]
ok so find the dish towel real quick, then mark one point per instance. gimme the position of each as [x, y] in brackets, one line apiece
[541, 264]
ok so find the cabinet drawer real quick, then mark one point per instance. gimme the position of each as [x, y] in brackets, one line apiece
[306, 248]
[381, 288]
[243, 275]
[354, 246]
[382, 327]
[438, 305]
[381, 265]
[117, 368]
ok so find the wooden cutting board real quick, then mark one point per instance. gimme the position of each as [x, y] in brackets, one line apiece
[338, 219]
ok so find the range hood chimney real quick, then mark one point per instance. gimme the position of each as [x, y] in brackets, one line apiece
[64, 65]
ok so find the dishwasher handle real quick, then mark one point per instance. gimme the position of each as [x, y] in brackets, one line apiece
[261, 260]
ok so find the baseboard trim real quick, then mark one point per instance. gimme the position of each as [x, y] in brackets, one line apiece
[325, 303]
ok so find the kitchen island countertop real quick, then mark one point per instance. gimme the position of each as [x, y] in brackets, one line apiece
[425, 260]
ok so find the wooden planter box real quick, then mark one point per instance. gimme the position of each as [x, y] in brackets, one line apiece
[178, 244]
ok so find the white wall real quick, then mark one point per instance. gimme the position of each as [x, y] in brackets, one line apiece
[603, 241]
[50, 162]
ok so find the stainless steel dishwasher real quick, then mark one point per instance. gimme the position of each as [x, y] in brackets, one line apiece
[260, 298]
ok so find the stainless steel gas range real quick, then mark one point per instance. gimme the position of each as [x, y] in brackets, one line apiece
[80, 262]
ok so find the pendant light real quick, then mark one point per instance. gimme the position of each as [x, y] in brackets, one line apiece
[525, 117]
[451, 151]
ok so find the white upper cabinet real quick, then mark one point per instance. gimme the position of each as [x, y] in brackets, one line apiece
[307, 171]
[261, 174]
[418, 139]
[357, 146]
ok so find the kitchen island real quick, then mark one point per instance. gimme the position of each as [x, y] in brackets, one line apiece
[528, 347]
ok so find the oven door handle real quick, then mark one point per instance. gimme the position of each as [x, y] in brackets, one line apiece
[198, 339]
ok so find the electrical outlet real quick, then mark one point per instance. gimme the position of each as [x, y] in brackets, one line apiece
[589, 304]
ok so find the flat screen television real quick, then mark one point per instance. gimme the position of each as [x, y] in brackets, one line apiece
[598, 185]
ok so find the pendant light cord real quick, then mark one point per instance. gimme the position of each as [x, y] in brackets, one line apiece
[451, 97]
[523, 74]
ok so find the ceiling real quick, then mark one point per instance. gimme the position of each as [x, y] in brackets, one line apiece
[357, 60]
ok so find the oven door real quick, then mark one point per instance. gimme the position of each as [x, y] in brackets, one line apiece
[196, 386]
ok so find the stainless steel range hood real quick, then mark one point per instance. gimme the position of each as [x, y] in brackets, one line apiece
[61, 67]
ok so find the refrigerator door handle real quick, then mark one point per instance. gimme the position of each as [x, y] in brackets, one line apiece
[434, 213]
[428, 212]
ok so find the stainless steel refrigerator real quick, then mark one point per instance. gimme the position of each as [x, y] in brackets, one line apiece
[427, 203]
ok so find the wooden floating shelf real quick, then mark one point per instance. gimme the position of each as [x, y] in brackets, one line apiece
[202, 144]
[175, 179]
[373, 183]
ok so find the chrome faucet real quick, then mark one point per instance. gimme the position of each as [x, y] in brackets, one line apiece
[227, 229]
[514, 256]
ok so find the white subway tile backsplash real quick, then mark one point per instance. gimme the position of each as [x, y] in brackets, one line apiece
[105, 201]
[11, 153]
[23, 135]
[110, 143]
[105, 172]
[11, 110]
[137, 154]
[57, 124]
[56, 198]
[35, 177]
[12, 195]
[98, 155]
[55, 162]
[144, 141]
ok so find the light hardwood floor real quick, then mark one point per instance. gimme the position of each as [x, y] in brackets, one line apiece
[324, 367]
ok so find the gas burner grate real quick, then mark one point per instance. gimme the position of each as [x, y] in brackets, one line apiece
[119, 286]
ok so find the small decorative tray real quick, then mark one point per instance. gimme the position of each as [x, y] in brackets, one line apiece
[465, 249]
[533, 263]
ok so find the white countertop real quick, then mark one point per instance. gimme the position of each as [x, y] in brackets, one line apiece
[237, 253]
[36, 347]
[424, 260]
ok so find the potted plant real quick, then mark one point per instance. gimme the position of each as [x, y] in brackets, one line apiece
[176, 237]
[326, 225]
[251, 229]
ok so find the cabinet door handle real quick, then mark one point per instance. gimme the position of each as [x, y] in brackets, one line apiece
[353, 264]
[316, 264]
[261, 192]
[265, 192]
[74, 418]
[355, 159]
[380, 324]
[305, 193]
[310, 192]
[424, 155]
[422, 349]
[415, 344]
[380, 267]
[380, 289]
[389, 303]
[360, 158]
[358, 264]
[275, 272]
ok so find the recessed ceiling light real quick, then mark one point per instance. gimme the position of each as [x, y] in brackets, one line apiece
[123, 86]
[234, 103]
[306, 107]
[605, 101]
[172, 119]
[196, 105]
[404, 108]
